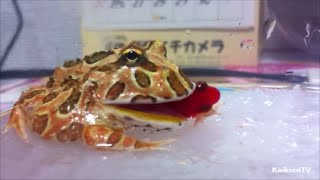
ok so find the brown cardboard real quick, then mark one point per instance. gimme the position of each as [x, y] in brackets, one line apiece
[188, 47]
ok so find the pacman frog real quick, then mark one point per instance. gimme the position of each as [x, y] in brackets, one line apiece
[98, 98]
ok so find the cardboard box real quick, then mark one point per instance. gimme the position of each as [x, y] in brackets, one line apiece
[195, 34]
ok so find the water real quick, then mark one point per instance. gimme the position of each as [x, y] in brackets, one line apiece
[298, 24]
[268, 27]
[312, 28]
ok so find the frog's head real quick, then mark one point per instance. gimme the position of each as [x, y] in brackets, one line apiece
[143, 75]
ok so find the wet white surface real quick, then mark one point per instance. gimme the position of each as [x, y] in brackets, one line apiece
[255, 131]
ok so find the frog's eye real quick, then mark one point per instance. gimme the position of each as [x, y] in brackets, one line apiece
[131, 57]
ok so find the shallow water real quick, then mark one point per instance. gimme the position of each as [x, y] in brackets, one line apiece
[253, 132]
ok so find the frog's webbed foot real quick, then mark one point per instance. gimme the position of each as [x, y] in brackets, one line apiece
[17, 120]
[105, 138]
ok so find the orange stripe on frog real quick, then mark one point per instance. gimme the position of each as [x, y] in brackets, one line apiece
[56, 124]
[95, 134]
[55, 103]
[128, 142]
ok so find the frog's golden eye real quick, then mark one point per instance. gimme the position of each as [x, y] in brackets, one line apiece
[131, 57]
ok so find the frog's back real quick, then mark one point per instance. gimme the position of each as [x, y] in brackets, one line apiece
[132, 74]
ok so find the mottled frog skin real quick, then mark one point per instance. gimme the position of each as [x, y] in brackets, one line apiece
[80, 101]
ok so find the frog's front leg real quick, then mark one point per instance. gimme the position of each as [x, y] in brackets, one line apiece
[17, 121]
[105, 138]
[21, 114]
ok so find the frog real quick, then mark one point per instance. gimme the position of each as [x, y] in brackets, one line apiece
[97, 99]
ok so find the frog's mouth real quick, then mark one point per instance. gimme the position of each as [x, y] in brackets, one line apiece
[200, 101]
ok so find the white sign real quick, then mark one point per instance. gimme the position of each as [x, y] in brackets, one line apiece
[167, 14]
